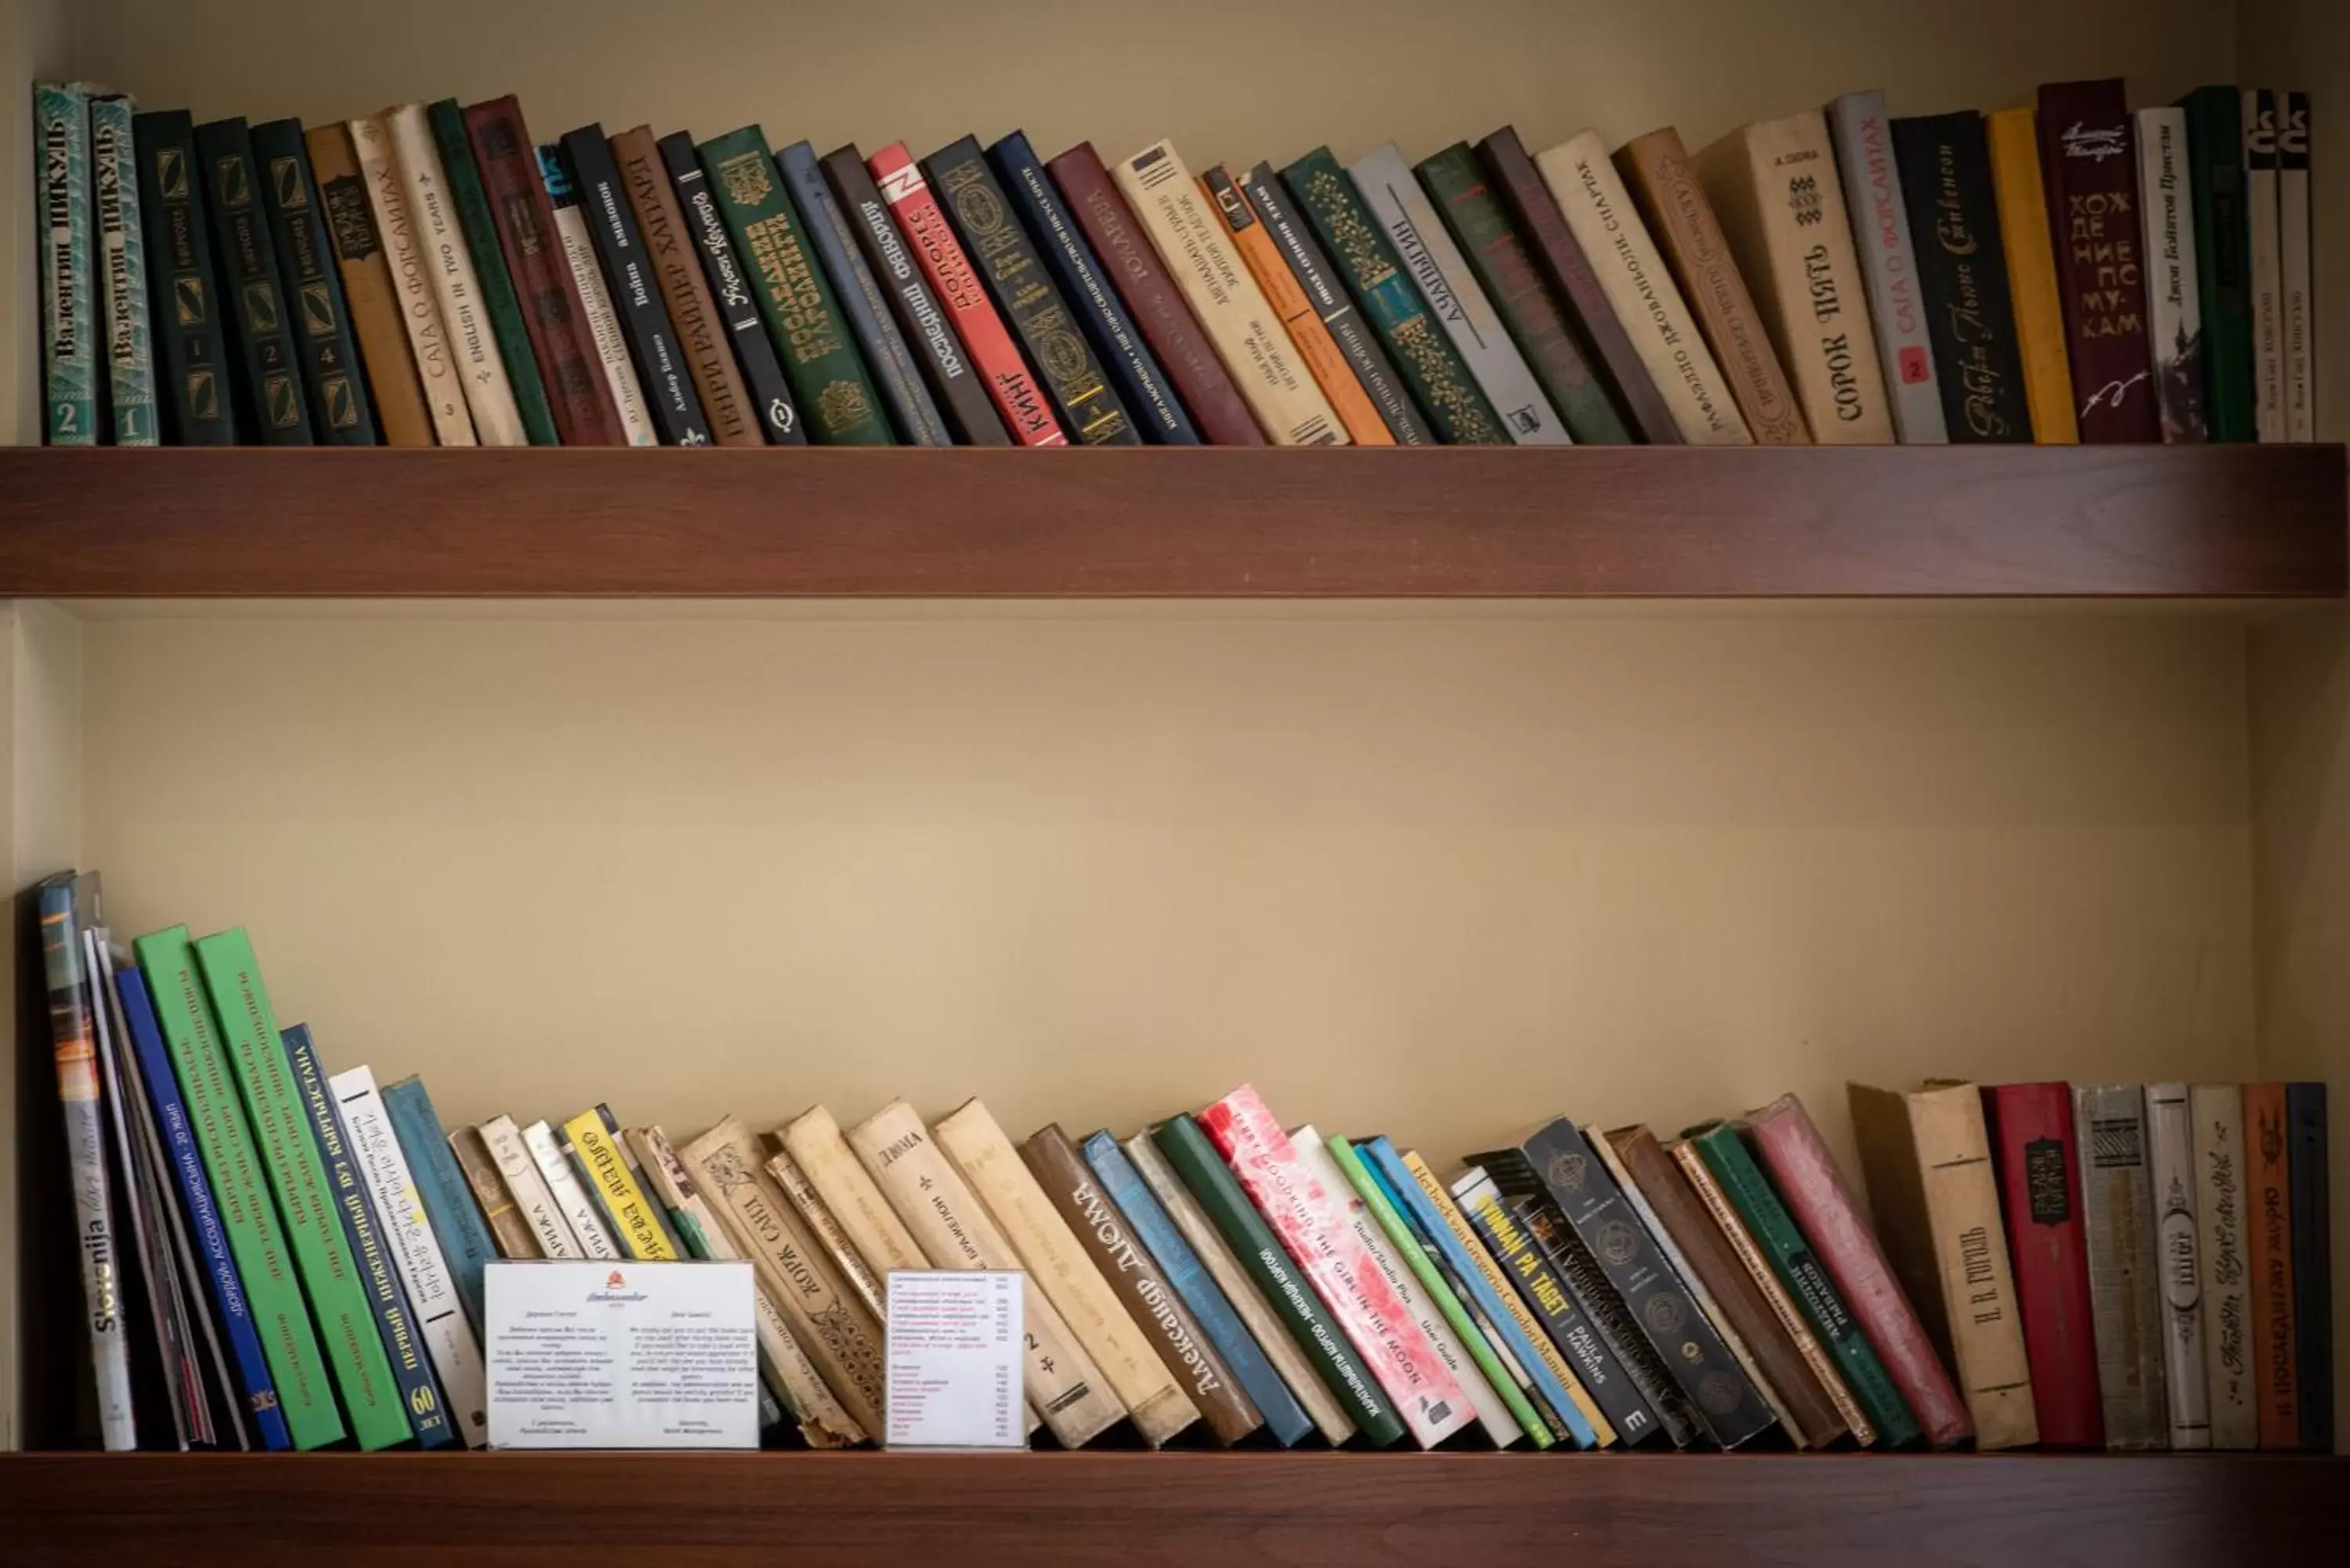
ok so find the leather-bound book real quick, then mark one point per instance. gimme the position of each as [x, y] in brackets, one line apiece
[2032, 1139]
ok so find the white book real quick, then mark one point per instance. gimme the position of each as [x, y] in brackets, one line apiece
[1599, 212]
[1491, 1414]
[2171, 1148]
[1248, 336]
[1400, 207]
[578, 1210]
[2223, 1264]
[424, 1270]
[528, 1188]
[2174, 322]
[2300, 390]
[472, 341]
[411, 281]
[1863, 135]
[2268, 261]
[604, 323]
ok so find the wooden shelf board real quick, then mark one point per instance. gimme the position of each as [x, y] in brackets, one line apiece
[1962, 522]
[1358, 1510]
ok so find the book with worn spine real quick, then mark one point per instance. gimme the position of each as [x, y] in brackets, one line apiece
[191, 346]
[2296, 323]
[1961, 259]
[417, 300]
[509, 1228]
[2034, 1141]
[1884, 235]
[2276, 1371]
[2266, 263]
[369, 297]
[772, 407]
[673, 259]
[271, 384]
[2223, 1262]
[2215, 178]
[815, 1143]
[2024, 225]
[816, 1215]
[470, 203]
[580, 1213]
[533, 1198]
[2312, 1262]
[2170, 1155]
[68, 286]
[2088, 162]
[663, 369]
[119, 243]
[2174, 300]
[2125, 1282]
[342, 413]
[598, 315]
[471, 341]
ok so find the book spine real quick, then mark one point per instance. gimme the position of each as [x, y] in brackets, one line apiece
[1887, 248]
[628, 270]
[2089, 161]
[770, 390]
[272, 377]
[341, 413]
[419, 1392]
[321, 1255]
[1599, 214]
[601, 321]
[956, 1232]
[74, 1054]
[442, 1193]
[1149, 397]
[1498, 259]
[579, 1211]
[862, 303]
[2020, 196]
[700, 336]
[2297, 327]
[122, 252]
[2276, 1376]
[2266, 262]
[1663, 184]
[191, 352]
[508, 1227]
[2033, 1140]
[469, 202]
[411, 274]
[1167, 322]
[2223, 1260]
[532, 1197]
[1962, 276]
[635, 1227]
[2216, 175]
[1256, 353]
[813, 1141]
[456, 286]
[2174, 302]
[68, 301]
[818, 1219]
[370, 299]
[561, 343]
[2125, 1284]
[256, 1236]
[2171, 1152]
[2313, 1264]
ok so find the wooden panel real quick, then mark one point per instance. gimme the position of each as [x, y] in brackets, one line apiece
[1627, 521]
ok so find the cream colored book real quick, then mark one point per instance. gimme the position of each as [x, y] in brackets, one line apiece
[789, 1374]
[472, 341]
[531, 1194]
[955, 1231]
[604, 324]
[1225, 1269]
[412, 283]
[579, 1211]
[813, 1140]
[1640, 290]
[1058, 1261]
[2223, 1260]
[1774, 189]
[828, 1234]
[840, 1337]
[508, 1227]
[1249, 338]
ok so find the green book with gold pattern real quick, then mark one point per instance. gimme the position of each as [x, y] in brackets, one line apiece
[835, 394]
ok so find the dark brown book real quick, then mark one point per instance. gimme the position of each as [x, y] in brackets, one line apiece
[1151, 298]
[2088, 166]
[1805, 1405]
[552, 312]
[701, 330]
[1569, 274]
[1140, 1287]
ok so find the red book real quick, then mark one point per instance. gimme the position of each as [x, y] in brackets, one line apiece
[2269, 1250]
[924, 223]
[1813, 1191]
[2088, 162]
[1157, 305]
[2031, 1127]
[552, 311]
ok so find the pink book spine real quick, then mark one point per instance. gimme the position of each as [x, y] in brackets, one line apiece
[1312, 1225]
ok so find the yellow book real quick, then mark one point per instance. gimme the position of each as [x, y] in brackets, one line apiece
[2031, 276]
[631, 1211]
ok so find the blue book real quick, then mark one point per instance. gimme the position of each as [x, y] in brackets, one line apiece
[204, 1230]
[1284, 1418]
[910, 410]
[1148, 396]
[420, 1393]
[448, 1199]
[1379, 1155]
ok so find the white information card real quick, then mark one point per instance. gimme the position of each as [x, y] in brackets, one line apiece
[621, 1354]
[956, 1339]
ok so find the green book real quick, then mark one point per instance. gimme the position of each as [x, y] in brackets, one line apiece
[795, 301]
[322, 1252]
[1423, 355]
[1415, 1256]
[1455, 182]
[257, 1237]
[499, 300]
[1767, 1221]
[1292, 1298]
[2223, 260]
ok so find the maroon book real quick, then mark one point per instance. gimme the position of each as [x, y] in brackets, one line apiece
[2088, 162]
[1152, 298]
[552, 311]
[2031, 1144]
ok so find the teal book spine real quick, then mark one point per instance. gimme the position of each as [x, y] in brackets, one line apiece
[69, 308]
[442, 1189]
[2223, 261]
[340, 410]
[499, 299]
[122, 263]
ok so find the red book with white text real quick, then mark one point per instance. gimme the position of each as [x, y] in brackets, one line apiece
[2033, 1144]
[1018, 396]
[1813, 1191]
[1311, 1222]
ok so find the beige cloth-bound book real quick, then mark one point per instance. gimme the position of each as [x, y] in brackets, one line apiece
[472, 341]
[813, 1141]
[411, 281]
[828, 1234]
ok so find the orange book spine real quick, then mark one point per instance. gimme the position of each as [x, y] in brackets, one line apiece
[2275, 1383]
[2031, 276]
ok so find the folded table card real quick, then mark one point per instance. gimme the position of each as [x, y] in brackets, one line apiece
[956, 1339]
[621, 1354]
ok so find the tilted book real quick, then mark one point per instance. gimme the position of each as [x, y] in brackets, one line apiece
[675, 263]
[2170, 1149]
[2174, 297]
[1883, 235]
[652, 338]
[773, 406]
[2215, 178]
[816, 1215]
[2125, 1284]
[2032, 1138]
[68, 286]
[1961, 254]
[2223, 1260]
[405, 252]
[2276, 1372]
[2296, 326]
[533, 1198]
[598, 317]
[260, 330]
[369, 293]
[2313, 1266]
[449, 268]
[440, 1188]
[2024, 227]
[75, 1052]
[636, 1225]
[120, 240]
[508, 1225]
[580, 1214]
[2266, 262]
[470, 202]
[1926, 1156]
[813, 1141]
[190, 342]
[2089, 165]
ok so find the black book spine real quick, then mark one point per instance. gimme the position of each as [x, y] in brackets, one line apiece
[339, 405]
[635, 297]
[184, 298]
[272, 381]
[1016, 280]
[1587, 1284]
[961, 396]
[1944, 164]
[753, 351]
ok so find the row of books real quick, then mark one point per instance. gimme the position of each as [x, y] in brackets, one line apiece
[2064, 272]
[2135, 1268]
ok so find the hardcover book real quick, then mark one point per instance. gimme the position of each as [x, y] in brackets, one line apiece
[2016, 184]
[412, 276]
[1962, 276]
[470, 202]
[580, 1213]
[2170, 1150]
[2174, 301]
[533, 1198]
[816, 1215]
[2032, 1139]
[2216, 177]
[341, 411]
[2313, 1263]
[272, 379]
[508, 1227]
[813, 1141]
[471, 339]
[2124, 1286]
[2276, 1375]
[662, 366]
[190, 346]
[2223, 1260]
[119, 240]
[770, 390]
[75, 1056]
[675, 263]
[2298, 390]
[1885, 236]
[370, 295]
[68, 281]
[429, 1171]
[602, 322]
[2266, 262]
[2088, 160]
